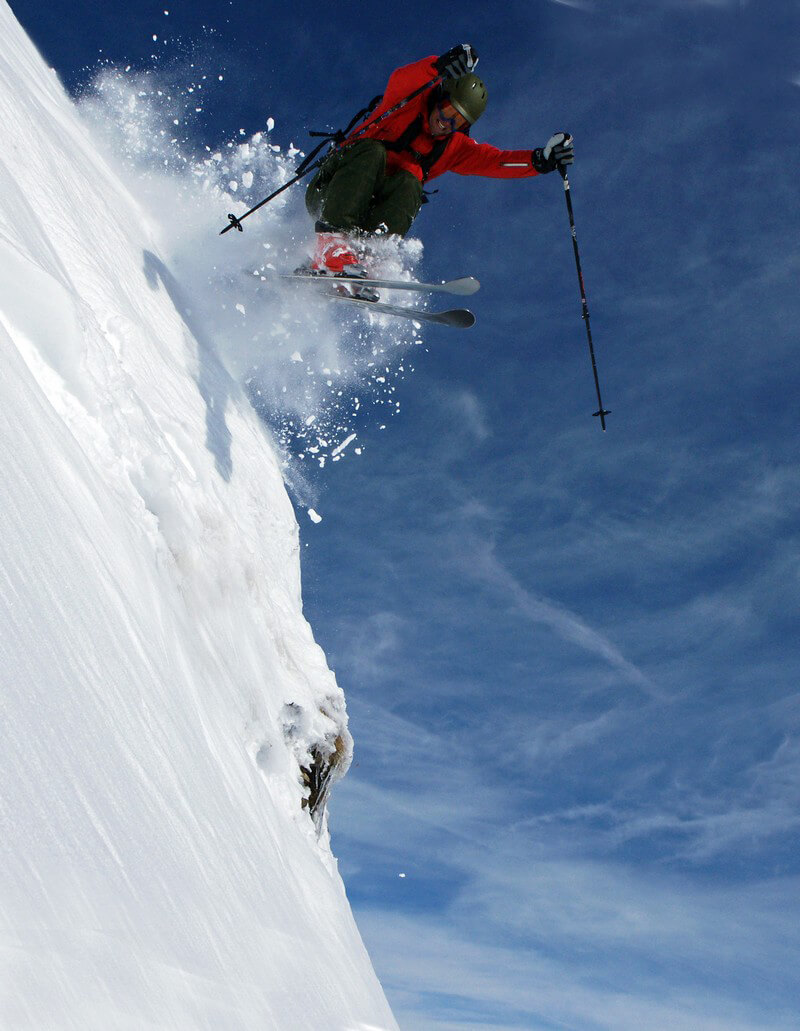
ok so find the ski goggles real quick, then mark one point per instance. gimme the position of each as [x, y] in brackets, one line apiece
[448, 117]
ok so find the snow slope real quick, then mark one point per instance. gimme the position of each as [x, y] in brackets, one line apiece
[160, 687]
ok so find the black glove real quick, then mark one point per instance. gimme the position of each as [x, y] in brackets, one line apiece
[457, 62]
[558, 152]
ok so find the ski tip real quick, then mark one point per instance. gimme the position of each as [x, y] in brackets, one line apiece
[458, 318]
[464, 286]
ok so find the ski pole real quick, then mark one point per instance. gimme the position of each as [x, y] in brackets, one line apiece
[602, 412]
[236, 223]
[400, 103]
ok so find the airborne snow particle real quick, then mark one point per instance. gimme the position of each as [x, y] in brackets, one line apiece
[343, 445]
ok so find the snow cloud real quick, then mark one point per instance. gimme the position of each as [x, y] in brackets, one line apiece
[316, 373]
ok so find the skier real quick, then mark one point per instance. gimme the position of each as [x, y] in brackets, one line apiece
[375, 184]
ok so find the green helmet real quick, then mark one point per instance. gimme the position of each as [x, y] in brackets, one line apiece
[467, 95]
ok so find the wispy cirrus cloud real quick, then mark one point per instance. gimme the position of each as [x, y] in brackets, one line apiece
[527, 919]
[485, 566]
[467, 405]
[544, 949]
[580, 5]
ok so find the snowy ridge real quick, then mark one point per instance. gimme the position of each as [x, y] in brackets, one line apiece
[161, 690]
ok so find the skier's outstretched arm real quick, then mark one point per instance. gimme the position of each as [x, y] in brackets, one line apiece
[471, 158]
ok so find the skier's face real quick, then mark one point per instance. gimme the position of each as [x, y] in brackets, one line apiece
[445, 119]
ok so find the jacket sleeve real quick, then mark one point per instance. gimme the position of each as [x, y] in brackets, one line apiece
[471, 158]
[405, 80]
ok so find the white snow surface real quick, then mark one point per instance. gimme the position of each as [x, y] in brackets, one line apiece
[160, 686]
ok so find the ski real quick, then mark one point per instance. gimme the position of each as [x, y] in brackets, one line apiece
[457, 318]
[463, 287]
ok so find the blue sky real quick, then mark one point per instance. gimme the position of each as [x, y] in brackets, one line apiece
[571, 658]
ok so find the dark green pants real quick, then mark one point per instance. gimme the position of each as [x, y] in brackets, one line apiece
[352, 193]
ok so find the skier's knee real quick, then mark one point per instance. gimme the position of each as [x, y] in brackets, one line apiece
[398, 204]
[370, 153]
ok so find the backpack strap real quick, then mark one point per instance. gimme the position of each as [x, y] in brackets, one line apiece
[403, 145]
[404, 140]
[339, 136]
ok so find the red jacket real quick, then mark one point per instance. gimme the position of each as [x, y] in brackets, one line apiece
[462, 154]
